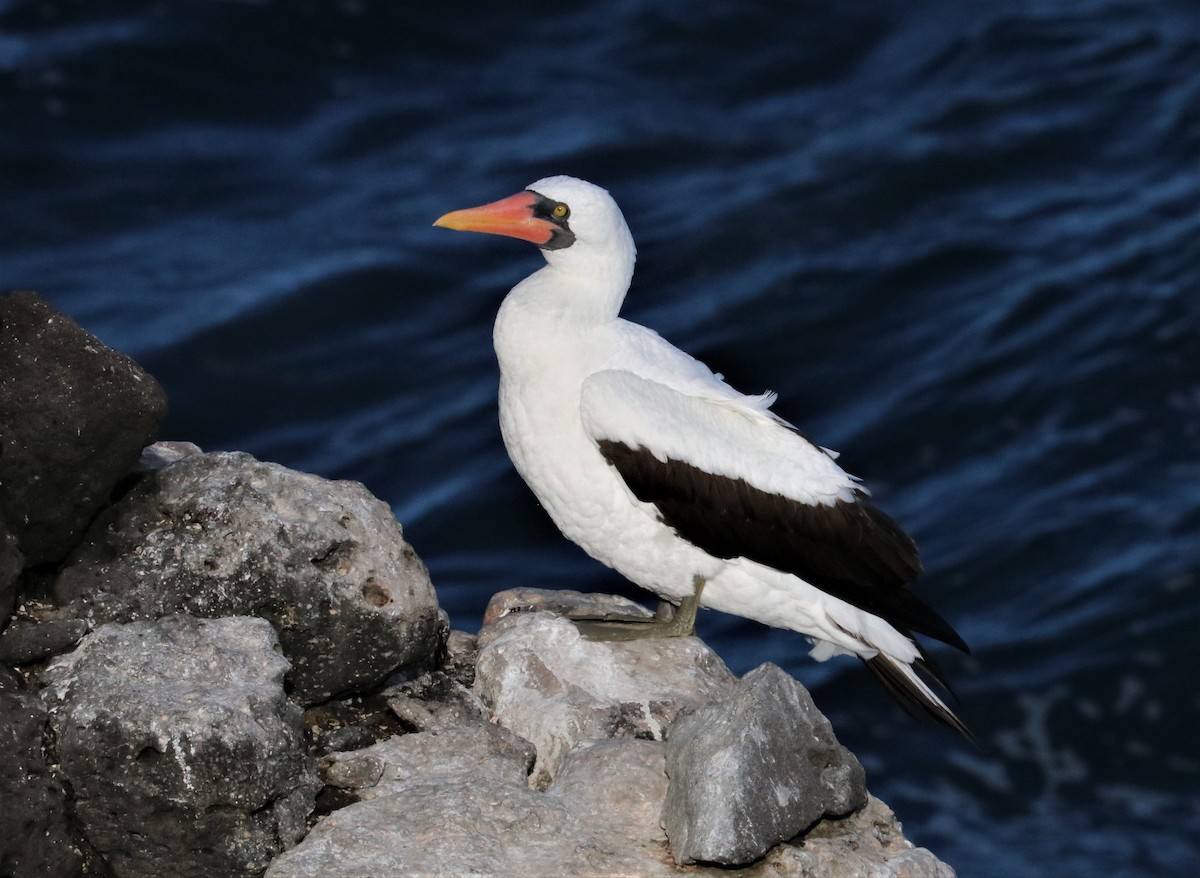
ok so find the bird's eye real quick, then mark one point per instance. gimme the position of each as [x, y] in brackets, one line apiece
[561, 211]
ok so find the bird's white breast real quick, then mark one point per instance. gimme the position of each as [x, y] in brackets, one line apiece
[544, 359]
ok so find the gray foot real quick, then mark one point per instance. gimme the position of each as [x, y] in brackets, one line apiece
[682, 623]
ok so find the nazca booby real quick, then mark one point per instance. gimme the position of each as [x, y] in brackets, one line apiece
[655, 466]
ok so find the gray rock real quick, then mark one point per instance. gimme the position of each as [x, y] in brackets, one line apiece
[449, 801]
[74, 415]
[35, 837]
[162, 454]
[224, 534]
[26, 640]
[484, 827]
[493, 824]
[616, 787]
[868, 842]
[442, 699]
[753, 770]
[453, 756]
[459, 706]
[183, 752]
[599, 817]
[564, 602]
[544, 682]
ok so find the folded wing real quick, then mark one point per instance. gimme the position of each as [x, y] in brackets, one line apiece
[731, 478]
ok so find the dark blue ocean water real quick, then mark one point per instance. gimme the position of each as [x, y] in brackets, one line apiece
[961, 240]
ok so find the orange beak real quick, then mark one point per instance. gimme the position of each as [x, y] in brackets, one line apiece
[511, 216]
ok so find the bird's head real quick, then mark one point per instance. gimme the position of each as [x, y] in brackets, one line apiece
[575, 223]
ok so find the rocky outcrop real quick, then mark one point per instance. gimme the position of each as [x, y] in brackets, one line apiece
[36, 836]
[452, 802]
[543, 681]
[741, 782]
[74, 415]
[224, 534]
[151, 712]
[180, 745]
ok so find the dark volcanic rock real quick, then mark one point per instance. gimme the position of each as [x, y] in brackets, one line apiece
[35, 838]
[11, 562]
[184, 754]
[224, 534]
[753, 770]
[74, 415]
[26, 641]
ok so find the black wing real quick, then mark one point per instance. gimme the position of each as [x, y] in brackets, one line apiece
[849, 549]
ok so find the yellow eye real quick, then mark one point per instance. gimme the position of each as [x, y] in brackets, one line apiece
[561, 211]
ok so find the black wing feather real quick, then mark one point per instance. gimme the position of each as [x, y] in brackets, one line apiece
[849, 549]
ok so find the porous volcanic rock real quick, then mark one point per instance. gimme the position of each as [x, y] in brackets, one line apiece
[183, 753]
[74, 415]
[224, 534]
[36, 838]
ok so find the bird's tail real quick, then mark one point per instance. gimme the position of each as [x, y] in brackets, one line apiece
[912, 692]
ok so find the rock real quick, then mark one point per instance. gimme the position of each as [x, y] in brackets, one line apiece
[35, 836]
[754, 769]
[26, 641]
[459, 706]
[599, 817]
[442, 699]
[183, 752]
[572, 604]
[616, 788]
[868, 842]
[493, 824]
[449, 801]
[453, 756]
[350, 723]
[547, 684]
[477, 828]
[11, 562]
[74, 415]
[224, 534]
[162, 454]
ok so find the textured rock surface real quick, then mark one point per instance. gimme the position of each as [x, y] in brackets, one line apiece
[459, 755]
[755, 769]
[546, 683]
[564, 602]
[868, 842]
[599, 817]
[11, 562]
[181, 748]
[441, 829]
[35, 838]
[596, 824]
[449, 801]
[26, 640]
[616, 788]
[74, 415]
[224, 534]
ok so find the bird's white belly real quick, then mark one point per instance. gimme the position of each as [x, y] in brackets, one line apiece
[587, 499]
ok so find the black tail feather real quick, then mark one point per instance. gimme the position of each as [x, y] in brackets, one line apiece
[910, 697]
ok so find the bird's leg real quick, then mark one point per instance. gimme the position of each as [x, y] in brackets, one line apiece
[682, 623]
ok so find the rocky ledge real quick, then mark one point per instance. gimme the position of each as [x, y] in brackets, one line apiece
[212, 665]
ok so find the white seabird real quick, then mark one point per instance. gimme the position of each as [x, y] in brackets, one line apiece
[659, 469]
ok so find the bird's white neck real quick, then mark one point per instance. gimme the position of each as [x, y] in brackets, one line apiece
[582, 290]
